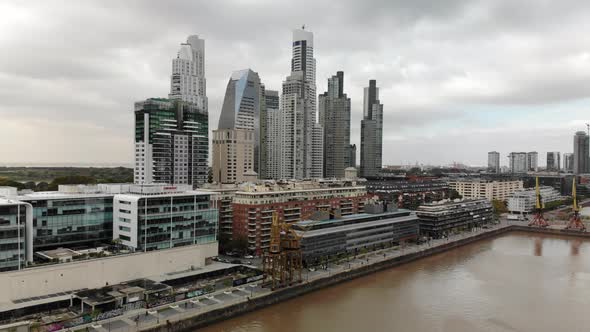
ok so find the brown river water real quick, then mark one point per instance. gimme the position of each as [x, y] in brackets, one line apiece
[515, 282]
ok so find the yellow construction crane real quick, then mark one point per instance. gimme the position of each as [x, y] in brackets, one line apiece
[575, 222]
[538, 220]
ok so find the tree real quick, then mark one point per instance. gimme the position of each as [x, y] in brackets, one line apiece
[454, 194]
[499, 207]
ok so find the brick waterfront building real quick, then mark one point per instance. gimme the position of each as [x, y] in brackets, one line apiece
[254, 205]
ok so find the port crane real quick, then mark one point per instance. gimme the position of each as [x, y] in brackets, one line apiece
[575, 223]
[283, 262]
[539, 219]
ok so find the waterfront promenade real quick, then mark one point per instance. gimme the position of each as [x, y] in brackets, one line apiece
[153, 318]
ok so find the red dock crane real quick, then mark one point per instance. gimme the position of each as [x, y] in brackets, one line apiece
[575, 222]
[539, 219]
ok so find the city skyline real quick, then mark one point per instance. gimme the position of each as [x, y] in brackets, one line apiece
[73, 105]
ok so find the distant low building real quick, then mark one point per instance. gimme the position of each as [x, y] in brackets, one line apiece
[524, 201]
[482, 188]
[445, 217]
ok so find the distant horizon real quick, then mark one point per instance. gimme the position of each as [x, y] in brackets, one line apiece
[65, 164]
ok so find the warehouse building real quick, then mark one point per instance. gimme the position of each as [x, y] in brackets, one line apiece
[445, 217]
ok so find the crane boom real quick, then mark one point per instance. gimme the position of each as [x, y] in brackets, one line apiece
[574, 196]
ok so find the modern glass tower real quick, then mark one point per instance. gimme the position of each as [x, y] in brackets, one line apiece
[171, 142]
[334, 116]
[187, 82]
[371, 132]
[241, 107]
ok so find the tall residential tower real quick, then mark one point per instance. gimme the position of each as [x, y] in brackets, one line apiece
[371, 132]
[171, 142]
[581, 153]
[302, 136]
[494, 162]
[553, 161]
[188, 82]
[334, 116]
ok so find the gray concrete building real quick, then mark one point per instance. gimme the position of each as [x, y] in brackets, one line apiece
[371, 132]
[517, 162]
[494, 162]
[581, 153]
[273, 139]
[568, 162]
[532, 161]
[334, 116]
[553, 161]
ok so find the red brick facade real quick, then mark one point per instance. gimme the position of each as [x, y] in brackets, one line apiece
[254, 221]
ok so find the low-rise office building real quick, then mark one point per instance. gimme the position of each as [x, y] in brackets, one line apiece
[482, 188]
[15, 234]
[524, 201]
[153, 217]
[349, 234]
[68, 218]
[254, 205]
[444, 217]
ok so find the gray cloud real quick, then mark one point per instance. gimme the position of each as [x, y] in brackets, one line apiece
[67, 65]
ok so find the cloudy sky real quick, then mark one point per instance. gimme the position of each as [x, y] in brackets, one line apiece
[458, 78]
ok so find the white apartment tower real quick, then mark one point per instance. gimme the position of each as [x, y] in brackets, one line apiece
[301, 135]
[187, 82]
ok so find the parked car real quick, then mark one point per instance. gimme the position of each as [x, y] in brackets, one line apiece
[249, 257]
[236, 261]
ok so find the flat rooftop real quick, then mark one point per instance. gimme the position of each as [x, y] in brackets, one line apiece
[353, 217]
[349, 227]
[58, 253]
